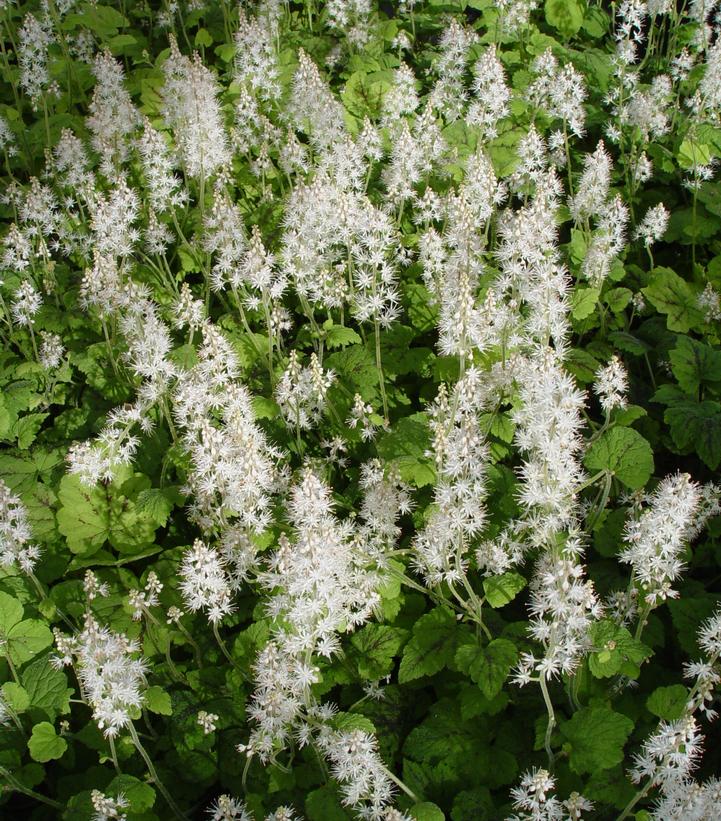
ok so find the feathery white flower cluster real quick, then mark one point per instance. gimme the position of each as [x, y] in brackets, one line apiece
[535, 800]
[656, 536]
[611, 385]
[15, 533]
[670, 755]
[111, 675]
[458, 514]
[113, 117]
[204, 583]
[559, 91]
[323, 583]
[364, 779]
[191, 109]
[233, 469]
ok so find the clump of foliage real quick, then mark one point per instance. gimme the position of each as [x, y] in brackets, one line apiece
[361, 403]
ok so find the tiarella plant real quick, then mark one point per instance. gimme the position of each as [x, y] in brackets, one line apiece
[360, 407]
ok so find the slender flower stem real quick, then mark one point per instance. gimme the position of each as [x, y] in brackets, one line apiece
[225, 651]
[407, 790]
[551, 720]
[114, 755]
[177, 812]
[18, 787]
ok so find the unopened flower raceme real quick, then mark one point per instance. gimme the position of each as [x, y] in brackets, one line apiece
[108, 808]
[301, 391]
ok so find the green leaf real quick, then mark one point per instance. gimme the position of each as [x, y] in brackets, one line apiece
[324, 804]
[474, 805]
[502, 589]
[692, 154]
[102, 20]
[158, 701]
[203, 38]
[140, 796]
[431, 647]
[44, 743]
[474, 703]
[26, 639]
[673, 296]
[20, 639]
[16, 696]
[426, 811]
[629, 343]
[595, 737]
[583, 302]
[406, 446]
[697, 426]
[618, 298]
[487, 666]
[566, 16]
[27, 428]
[11, 612]
[694, 364]
[90, 516]
[668, 703]
[338, 336]
[377, 645]
[357, 366]
[628, 415]
[625, 454]
[158, 503]
[83, 517]
[615, 651]
[47, 688]
[422, 313]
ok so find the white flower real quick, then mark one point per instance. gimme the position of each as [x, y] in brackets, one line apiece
[204, 583]
[656, 536]
[15, 533]
[611, 385]
[111, 675]
[190, 107]
[653, 225]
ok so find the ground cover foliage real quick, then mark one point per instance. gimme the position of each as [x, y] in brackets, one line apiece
[360, 410]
